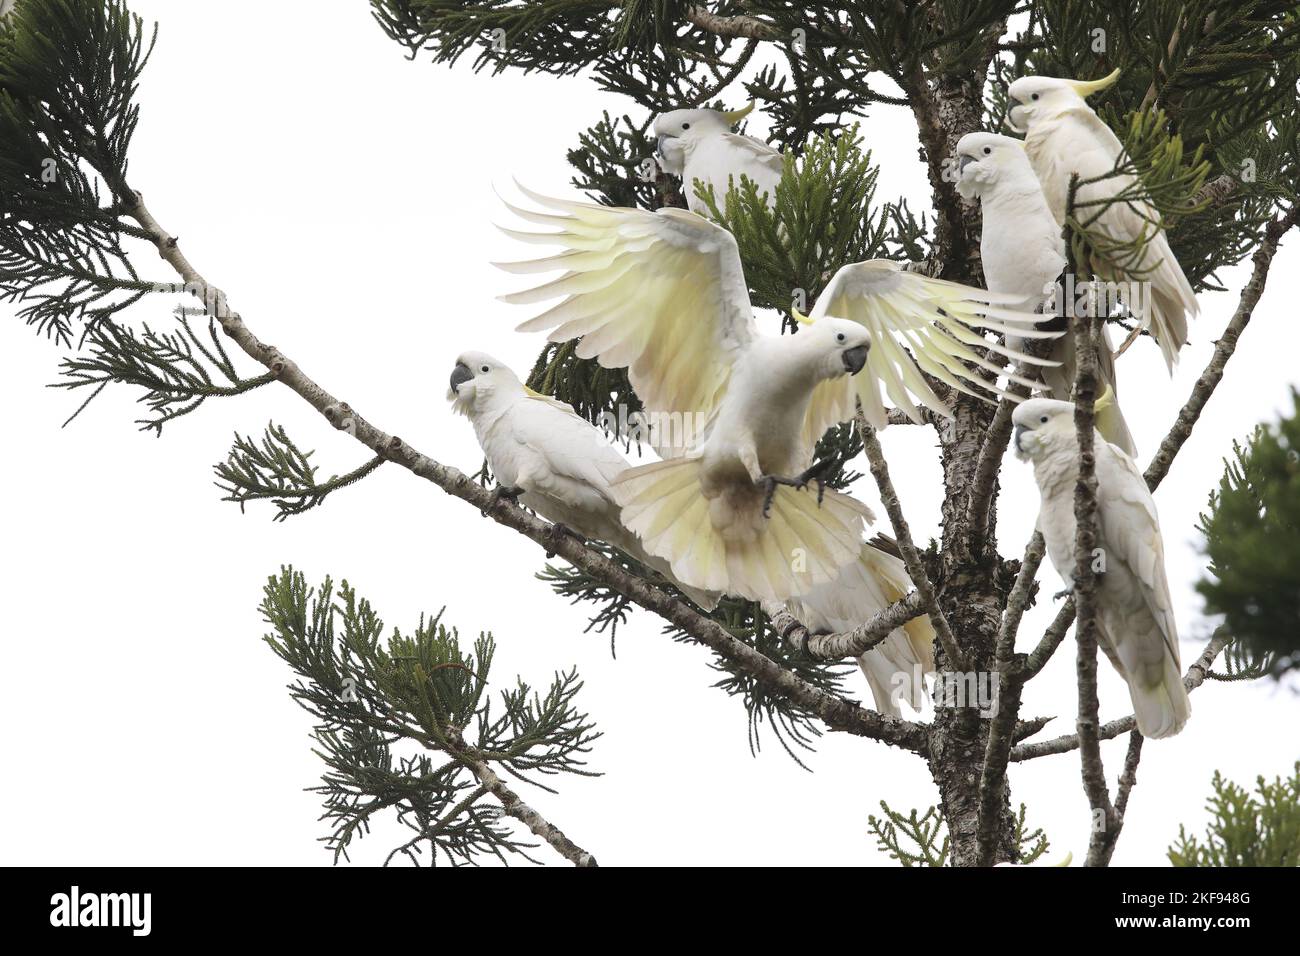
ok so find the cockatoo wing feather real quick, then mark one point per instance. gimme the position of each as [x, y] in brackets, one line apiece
[662, 294]
[766, 155]
[802, 544]
[935, 319]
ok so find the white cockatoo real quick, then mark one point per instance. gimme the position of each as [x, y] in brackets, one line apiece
[1135, 617]
[700, 145]
[549, 457]
[895, 668]
[737, 414]
[1024, 254]
[1063, 136]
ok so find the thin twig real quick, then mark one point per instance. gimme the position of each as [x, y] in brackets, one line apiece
[515, 806]
[912, 559]
[1193, 679]
[1223, 349]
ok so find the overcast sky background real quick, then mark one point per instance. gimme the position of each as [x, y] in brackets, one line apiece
[343, 197]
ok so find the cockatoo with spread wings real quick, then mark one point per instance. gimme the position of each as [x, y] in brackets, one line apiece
[1023, 253]
[700, 145]
[547, 457]
[1063, 136]
[1135, 616]
[737, 414]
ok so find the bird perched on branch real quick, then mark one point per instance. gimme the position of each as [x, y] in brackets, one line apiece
[1024, 255]
[1064, 137]
[737, 414]
[700, 145]
[1135, 617]
[550, 459]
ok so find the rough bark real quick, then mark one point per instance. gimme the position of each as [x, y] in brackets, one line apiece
[972, 592]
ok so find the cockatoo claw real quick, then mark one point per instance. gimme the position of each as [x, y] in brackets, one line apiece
[558, 530]
[769, 483]
[1063, 594]
[817, 473]
[501, 492]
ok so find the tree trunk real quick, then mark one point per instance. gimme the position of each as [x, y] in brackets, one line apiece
[973, 591]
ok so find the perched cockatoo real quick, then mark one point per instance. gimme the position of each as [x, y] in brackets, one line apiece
[550, 458]
[1024, 253]
[1135, 617]
[700, 145]
[896, 667]
[735, 413]
[1063, 136]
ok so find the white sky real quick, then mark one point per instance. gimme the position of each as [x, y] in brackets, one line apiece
[343, 198]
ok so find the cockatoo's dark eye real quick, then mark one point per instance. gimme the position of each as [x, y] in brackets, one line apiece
[1043, 420]
[839, 337]
[486, 369]
[1033, 96]
[686, 126]
[988, 150]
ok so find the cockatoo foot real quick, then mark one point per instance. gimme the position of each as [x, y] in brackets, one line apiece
[802, 481]
[557, 531]
[1062, 594]
[501, 492]
[769, 483]
[817, 473]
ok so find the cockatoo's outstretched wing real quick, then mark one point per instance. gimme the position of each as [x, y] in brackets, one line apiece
[934, 320]
[660, 293]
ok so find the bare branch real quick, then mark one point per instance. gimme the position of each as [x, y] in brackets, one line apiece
[1193, 679]
[915, 568]
[515, 807]
[979, 504]
[1215, 192]
[848, 644]
[743, 27]
[1223, 349]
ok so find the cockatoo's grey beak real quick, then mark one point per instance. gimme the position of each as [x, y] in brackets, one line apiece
[659, 144]
[460, 375]
[855, 359]
[963, 162]
[1020, 430]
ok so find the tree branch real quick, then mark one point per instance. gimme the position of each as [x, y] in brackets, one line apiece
[979, 504]
[1086, 632]
[915, 568]
[742, 27]
[1223, 349]
[837, 713]
[515, 807]
[848, 644]
[1011, 681]
[1193, 679]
